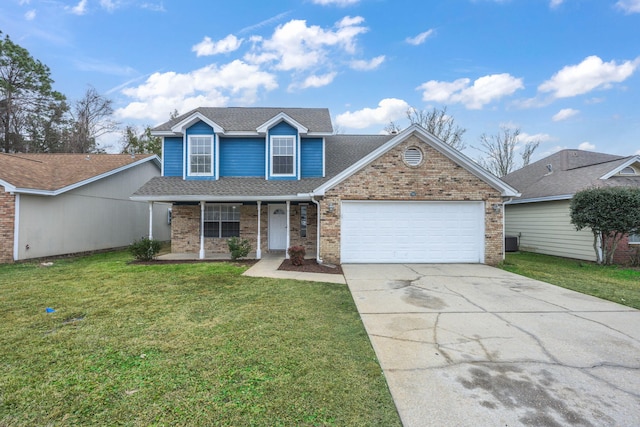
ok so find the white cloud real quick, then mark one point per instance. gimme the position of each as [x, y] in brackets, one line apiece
[420, 38]
[638, 153]
[79, 9]
[209, 47]
[161, 93]
[109, 5]
[314, 81]
[484, 90]
[541, 137]
[629, 6]
[587, 146]
[362, 65]
[590, 74]
[555, 3]
[340, 3]
[564, 114]
[296, 46]
[30, 15]
[389, 109]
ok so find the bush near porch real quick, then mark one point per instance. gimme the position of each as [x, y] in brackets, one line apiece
[181, 344]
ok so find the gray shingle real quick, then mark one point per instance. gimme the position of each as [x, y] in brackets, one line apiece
[571, 171]
[235, 119]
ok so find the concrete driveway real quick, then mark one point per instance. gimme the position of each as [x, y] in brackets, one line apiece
[472, 345]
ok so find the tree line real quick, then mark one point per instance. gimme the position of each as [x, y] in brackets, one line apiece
[35, 118]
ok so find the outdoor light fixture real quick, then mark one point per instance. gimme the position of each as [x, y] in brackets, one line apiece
[332, 207]
[496, 207]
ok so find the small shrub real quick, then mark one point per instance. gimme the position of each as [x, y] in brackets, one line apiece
[238, 248]
[145, 249]
[296, 254]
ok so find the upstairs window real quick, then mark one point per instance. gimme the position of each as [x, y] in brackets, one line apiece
[634, 239]
[201, 155]
[628, 171]
[283, 155]
[222, 221]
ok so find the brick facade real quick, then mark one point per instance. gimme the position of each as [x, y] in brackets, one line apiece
[7, 221]
[185, 229]
[627, 254]
[389, 178]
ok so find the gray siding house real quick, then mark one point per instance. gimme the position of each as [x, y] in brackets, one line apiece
[540, 217]
[57, 204]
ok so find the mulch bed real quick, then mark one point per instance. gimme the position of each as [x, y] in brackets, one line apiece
[310, 266]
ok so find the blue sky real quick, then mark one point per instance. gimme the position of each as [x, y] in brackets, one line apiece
[566, 72]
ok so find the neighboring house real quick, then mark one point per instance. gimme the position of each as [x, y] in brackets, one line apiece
[540, 218]
[280, 177]
[56, 204]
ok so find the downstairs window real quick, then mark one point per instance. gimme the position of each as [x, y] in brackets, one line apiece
[221, 220]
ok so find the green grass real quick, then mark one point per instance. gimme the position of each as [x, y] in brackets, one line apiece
[181, 344]
[613, 283]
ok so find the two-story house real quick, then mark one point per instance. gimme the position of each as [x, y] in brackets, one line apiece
[281, 177]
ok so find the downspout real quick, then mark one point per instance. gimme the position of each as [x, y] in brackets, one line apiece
[16, 227]
[317, 203]
[504, 214]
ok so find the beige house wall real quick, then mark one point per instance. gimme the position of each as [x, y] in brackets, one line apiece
[437, 178]
[96, 216]
[545, 227]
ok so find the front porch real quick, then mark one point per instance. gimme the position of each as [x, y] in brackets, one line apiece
[201, 230]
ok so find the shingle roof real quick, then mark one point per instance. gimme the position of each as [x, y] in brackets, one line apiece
[571, 171]
[342, 151]
[236, 119]
[50, 172]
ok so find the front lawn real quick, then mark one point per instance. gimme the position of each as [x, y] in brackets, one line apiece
[181, 344]
[613, 283]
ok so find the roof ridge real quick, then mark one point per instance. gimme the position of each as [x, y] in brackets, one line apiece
[17, 155]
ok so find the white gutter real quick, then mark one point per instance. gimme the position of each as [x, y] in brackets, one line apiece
[199, 198]
[16, 227]
[540, 199]
[317, 203]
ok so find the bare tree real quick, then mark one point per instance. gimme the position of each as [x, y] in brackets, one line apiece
[500, 151]
[437, 122]
[91, 119]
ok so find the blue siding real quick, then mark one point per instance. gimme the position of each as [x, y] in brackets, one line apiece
[242, 157]
[283, 128]
[200, 128]
[172, 156]
[311, 157]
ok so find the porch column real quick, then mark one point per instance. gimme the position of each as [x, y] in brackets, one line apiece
[258, 251]
[150, 220]
[201, 230]
[286, 251]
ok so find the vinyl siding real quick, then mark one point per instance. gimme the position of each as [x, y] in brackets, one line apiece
[546, 228]
[311, 157]
[242, 157]
[172, 157]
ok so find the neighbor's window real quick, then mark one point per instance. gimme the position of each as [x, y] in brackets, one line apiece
[222, 221]
[282, 155]
[303, 220]
[201, 155]
[634, 239]
[628, 171]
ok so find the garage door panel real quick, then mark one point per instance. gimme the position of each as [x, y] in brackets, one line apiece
[412, 232]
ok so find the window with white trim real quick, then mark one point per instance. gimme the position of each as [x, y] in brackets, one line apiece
[634, 239]
[283, 155]
[628, 171]
[221, 220]
[200, 155]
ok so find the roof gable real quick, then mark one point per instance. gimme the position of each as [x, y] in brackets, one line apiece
[451, 153]
[52, 174]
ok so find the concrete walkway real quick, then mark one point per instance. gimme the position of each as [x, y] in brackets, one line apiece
[268, 267]
[472, 345]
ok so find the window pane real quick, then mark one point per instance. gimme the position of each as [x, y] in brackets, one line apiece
[282, 164]
[200, 155]
[230, 229]
[211, 229]
[634, 238]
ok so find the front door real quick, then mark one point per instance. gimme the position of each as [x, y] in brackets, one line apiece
[278, 227]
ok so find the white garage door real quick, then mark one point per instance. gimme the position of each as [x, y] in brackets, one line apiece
[398, 232]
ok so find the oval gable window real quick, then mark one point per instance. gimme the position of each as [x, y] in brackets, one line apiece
[413, 156]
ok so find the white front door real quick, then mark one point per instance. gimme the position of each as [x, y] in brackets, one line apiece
[278, 227]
